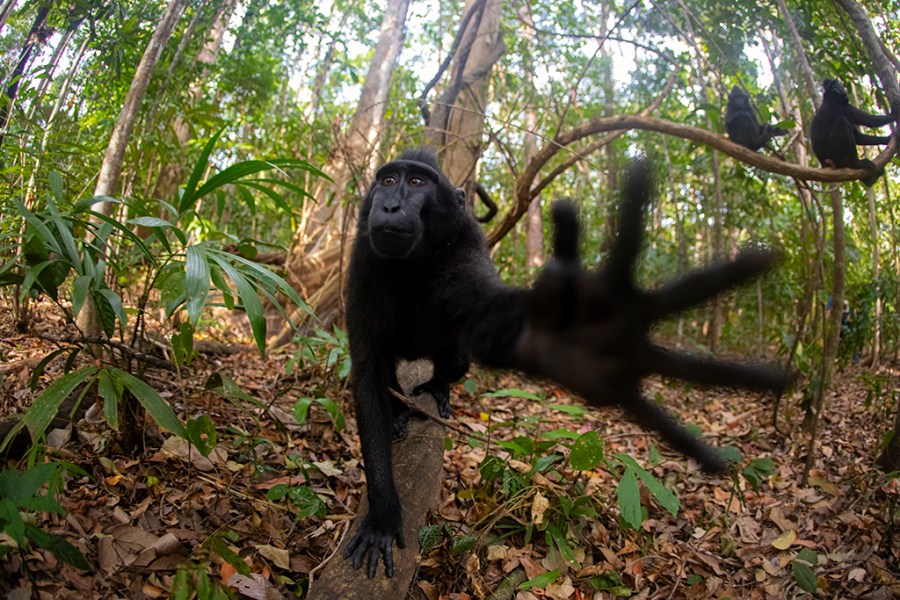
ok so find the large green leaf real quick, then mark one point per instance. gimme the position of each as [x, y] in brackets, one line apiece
[189, 196]
[150, 399]
[196, 282]
[45, 406]
[629, 499]
[587, 452]
[663, 495]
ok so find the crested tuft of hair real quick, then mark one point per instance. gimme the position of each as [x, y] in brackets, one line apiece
[423, 155]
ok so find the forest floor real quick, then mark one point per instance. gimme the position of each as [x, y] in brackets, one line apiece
[139, 518]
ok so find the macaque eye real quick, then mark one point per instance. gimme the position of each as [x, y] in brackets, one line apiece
[388, 180]
[416, 181]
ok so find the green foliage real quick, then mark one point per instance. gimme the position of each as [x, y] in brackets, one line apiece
[611, 583]
[195, 583]
[302, 497]
[301, 410]
[67, 253]
[330, 351]
[802, 567]
[541, 581]
[587, 452]
[25, 493]
[219, 543]
[757, 470]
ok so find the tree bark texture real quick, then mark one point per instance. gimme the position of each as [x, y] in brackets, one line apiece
[111, 168]
[883, 67]
[833, 330]
[38, 34]
[456, 127]
[418, 463]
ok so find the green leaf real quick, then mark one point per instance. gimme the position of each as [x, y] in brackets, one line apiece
[569, 409]
[587, 452]
[217, 544]
[58, 546]
[541, 581]
[190, 195]
[559, 434]
[629, 499]
[196, 282]
[80, 289]
[808, 556]
[334, 411]
[57, 186]
[804, 576]
[45, 406]
[512, 393]
[663, 495]
[152, 402]
[463, 544]
[116, 303]
[111, 394]
[250, 300]
[201, 433]
[11, 521]
[429, 536]
[105, 313]
[150, 222]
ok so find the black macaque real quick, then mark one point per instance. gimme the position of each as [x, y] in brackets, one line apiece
[741, 123]
[835, 136]
[422, 284]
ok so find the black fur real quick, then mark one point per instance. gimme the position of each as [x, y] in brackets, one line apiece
[834, 133]
[741, 123]
[433, 292]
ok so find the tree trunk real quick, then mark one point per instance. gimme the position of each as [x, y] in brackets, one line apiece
[51, 118]
[876, 276]
[889, 460]
[356, 155]
[5, 9]
[457, 119]
[38, 34]
[418, 461]
[172, 174]
[51, 68]
[534, 227]
[812, 87]
[833, 331]
[111, 168]
[318, 250]
[718, 251]
[883, 67]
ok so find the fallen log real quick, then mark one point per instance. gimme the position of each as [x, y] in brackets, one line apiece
[418, 463]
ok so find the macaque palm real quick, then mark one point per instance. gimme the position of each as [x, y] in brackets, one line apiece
[590, 330]
[422, 285]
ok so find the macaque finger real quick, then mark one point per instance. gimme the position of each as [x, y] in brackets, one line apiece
[654, 417]
[703, 284]
[635, 196]
[707, 371]
[565, 230]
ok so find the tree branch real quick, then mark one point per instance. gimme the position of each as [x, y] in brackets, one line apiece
[525, 192]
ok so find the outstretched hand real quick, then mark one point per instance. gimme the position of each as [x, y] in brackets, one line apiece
[589, 331]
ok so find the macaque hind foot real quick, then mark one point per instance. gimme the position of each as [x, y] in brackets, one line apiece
[440, 390]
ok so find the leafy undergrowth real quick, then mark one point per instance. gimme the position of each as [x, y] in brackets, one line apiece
[276, 493]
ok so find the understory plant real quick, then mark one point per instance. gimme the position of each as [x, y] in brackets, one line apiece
[82, 259]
